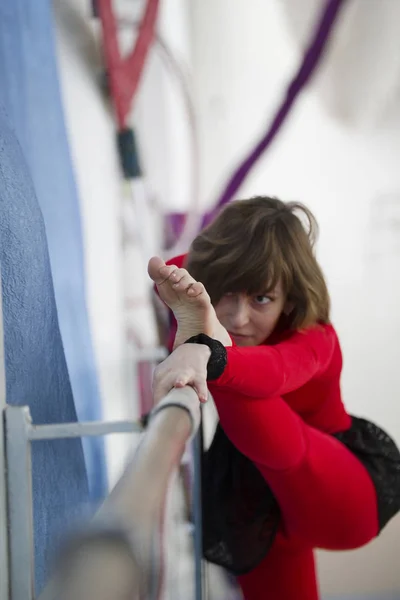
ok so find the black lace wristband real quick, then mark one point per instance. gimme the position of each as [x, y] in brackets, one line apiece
[218, 359]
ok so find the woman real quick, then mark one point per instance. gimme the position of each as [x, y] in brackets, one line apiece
[289, 469]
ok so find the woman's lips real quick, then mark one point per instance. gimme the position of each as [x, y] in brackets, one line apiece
[238, 335]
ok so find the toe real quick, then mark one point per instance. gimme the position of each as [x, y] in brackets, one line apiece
[169, 272]
[180, 275]
[154, 267]
[184, 283]
[196, 289]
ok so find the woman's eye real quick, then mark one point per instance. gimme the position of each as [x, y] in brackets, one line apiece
[262, 299]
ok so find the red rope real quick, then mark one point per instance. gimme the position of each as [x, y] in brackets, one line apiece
[125, 73]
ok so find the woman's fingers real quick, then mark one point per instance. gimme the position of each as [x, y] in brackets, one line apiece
[200, 385]
[164, 382]
[185, 366]
[197, 383]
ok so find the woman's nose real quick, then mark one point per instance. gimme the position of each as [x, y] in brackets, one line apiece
[240, 313]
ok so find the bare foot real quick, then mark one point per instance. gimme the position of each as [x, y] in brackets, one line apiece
[188, 300]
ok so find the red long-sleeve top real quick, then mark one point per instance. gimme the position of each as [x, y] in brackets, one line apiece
[302, 367]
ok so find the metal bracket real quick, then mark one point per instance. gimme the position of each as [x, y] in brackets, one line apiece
[19, 434]
[20, 512]
[4, 569]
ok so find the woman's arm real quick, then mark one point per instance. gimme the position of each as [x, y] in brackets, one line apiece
[266, 371]
[255, 372]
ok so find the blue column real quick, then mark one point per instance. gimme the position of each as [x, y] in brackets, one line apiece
[30, 93]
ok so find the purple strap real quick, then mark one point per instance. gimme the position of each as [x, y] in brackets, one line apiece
[307, 68]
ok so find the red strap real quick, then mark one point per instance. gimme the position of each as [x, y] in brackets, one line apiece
[125, 73]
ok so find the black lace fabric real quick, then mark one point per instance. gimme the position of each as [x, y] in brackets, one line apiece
[381, 457]
[240, 514]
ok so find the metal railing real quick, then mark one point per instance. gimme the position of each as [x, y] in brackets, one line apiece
[120, 555]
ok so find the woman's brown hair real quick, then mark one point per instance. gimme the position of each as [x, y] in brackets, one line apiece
[252, 244]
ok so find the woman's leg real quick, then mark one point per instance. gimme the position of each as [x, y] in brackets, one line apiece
[286, 573]
[325, 494]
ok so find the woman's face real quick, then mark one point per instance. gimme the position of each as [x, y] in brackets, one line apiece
[250, 320]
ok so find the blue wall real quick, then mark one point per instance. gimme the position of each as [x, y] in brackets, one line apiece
[38, 196]
[29, 91]
[36, 372]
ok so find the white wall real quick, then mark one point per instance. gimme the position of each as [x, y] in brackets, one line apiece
[242, 60]
[115, 276]
[91, 137]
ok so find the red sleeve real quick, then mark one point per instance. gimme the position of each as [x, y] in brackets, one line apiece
[178, 261]
[267, 371]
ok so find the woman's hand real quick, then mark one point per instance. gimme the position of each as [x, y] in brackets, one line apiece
[187, 365]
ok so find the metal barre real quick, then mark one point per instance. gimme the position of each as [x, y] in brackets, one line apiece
[73, 430]
[120, 555]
